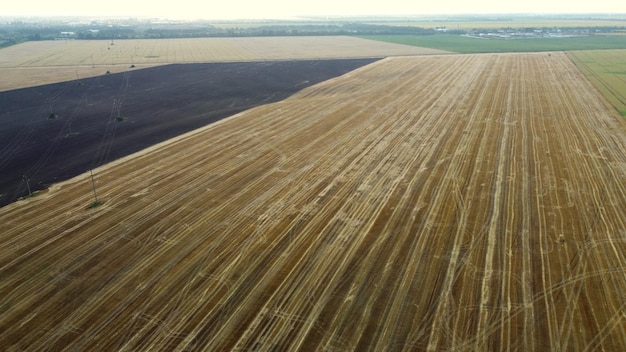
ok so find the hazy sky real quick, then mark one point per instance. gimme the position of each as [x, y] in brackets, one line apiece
[195, 9]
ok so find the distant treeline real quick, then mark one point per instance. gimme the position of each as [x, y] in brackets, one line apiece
[14, 32]
[17, 32]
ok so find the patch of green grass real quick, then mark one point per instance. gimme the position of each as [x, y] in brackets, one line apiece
[33, 194]
[468, 45]
[120, 118]
[95, 204]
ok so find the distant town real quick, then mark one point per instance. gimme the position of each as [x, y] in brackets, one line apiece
[530, 33]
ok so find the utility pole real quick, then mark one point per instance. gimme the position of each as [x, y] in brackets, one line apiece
[93, 183]
[27, 184]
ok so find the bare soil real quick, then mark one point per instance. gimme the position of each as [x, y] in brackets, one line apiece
[54, 132]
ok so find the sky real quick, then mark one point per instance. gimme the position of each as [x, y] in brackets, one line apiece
[239, 9]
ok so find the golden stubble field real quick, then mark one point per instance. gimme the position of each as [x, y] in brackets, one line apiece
[458, 202]
[37, 63]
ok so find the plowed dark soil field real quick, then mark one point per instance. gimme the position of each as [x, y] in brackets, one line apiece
[53, 132]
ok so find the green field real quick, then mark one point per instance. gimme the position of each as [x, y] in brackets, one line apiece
[468, 45]
[607, 70]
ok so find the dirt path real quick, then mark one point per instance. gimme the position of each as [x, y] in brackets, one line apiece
[469, 202]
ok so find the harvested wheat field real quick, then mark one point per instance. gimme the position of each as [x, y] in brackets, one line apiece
[432, 203]
[36, 63]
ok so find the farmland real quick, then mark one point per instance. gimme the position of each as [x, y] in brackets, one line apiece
[37, 63]
[462, 44]
[53, 132]
[456, 202]
[607, 70]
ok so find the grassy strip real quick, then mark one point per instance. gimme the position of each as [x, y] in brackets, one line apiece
[467, 45]
[95, 204]
[606, 69]
[31, 195]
